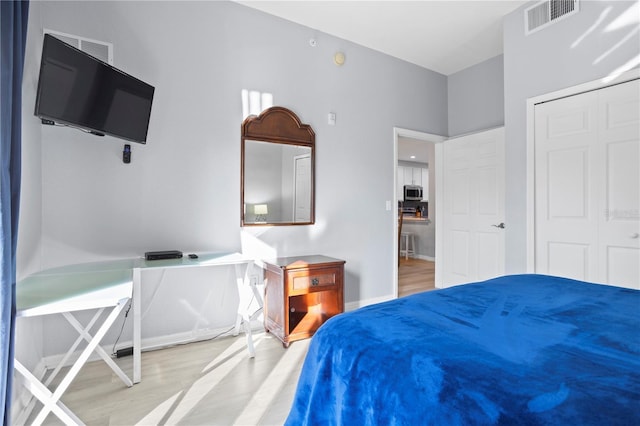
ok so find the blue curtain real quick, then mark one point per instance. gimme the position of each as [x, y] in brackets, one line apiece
[13, 37]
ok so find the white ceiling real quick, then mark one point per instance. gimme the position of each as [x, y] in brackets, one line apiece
[412, 150]
[443, 36]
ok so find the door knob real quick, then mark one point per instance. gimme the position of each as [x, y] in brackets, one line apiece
[634, 235]
[500, 225]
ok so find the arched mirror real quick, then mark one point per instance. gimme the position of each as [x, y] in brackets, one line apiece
[277, 182]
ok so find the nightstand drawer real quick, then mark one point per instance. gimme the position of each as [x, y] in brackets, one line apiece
[311, 279]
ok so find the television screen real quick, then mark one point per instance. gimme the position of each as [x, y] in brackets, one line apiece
[76, 89]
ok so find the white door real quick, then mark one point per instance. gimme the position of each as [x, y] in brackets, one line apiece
[473, 207]
[587, 186]
[302, 191]
[619, 226]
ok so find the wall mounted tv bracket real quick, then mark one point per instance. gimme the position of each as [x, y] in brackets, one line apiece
[53, 123]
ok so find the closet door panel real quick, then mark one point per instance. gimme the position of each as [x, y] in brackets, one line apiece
[623, 267]
[623, 181]
[569, 260]
[569, 182]
[566, 210]
[619, 220]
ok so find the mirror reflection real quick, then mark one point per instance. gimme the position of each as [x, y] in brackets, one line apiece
[277, 182]
[277, 169]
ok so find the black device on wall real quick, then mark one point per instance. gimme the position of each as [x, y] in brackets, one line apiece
[126, 154]
[79, 90]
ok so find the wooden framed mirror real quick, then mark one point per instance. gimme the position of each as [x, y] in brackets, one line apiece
[278, 170]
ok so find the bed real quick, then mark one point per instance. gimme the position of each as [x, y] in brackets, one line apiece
[519, 349]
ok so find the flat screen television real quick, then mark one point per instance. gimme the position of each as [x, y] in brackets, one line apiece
[79, 90]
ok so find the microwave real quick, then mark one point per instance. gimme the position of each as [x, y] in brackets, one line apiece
[412, 193]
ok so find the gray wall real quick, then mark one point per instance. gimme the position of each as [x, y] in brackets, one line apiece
[476, 97]
[568, 53]
[182, 190]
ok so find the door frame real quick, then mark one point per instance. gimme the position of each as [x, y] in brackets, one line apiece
[530, 182]
[437, 141]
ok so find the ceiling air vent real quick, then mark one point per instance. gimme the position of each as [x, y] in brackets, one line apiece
[548, 12]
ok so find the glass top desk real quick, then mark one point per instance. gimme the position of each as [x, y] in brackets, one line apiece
[102, 285]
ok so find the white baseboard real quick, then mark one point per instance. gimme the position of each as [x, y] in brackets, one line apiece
[352, 306]
[423, 257]
[161, 342]
[155, 343]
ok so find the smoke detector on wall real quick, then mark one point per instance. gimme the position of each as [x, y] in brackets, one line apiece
[548, 12]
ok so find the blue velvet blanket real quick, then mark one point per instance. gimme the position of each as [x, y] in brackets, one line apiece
[521, 349]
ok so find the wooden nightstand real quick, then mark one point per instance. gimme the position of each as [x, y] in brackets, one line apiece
[301, 293]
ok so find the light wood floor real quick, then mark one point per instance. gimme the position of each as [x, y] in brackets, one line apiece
[207, 383]
[415, 275]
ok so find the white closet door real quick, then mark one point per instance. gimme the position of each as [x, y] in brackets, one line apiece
[587, 186]
[619, 220]
[473, 198]
[566, 208]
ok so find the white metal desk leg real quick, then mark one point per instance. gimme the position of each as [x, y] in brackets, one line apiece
[43, 394]
[72, 349]
[137, 332]
[247, 329]
[236, 328]
[243, 280]
[84, 333]
[82, 359]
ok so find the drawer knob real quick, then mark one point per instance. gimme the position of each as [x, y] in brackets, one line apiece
[315, 281]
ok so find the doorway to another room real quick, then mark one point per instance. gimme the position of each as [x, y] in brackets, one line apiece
[415, 202]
